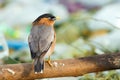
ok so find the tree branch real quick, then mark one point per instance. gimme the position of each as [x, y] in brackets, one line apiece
[62, 68]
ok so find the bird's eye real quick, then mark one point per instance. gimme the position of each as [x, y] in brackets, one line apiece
[52, 18]
[49, 18]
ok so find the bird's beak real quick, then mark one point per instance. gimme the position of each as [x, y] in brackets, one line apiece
[57, 18]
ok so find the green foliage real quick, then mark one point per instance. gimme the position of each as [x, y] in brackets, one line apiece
[9, 60]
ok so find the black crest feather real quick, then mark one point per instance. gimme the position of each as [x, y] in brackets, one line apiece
[47, 15]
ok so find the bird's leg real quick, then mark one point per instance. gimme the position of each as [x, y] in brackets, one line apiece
[49, 62]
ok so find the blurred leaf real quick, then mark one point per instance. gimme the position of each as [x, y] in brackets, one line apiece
[9, 60]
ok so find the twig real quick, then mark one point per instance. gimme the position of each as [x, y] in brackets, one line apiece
[104, 21]
[63, 68]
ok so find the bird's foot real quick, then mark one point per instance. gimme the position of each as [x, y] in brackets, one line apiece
[49, 62]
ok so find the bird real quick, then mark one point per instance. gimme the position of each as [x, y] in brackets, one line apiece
[41, 40]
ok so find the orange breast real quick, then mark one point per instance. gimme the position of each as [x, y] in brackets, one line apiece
[45, 21]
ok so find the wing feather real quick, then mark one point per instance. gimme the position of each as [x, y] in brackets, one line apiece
[40, 40]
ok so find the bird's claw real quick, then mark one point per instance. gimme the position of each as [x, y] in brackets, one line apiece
[50, 64]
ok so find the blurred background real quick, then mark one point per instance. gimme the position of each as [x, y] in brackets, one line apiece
[86, 27]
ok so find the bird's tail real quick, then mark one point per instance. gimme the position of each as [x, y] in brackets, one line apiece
[38, 65]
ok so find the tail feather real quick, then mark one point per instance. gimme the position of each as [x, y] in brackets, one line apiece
[39, 65]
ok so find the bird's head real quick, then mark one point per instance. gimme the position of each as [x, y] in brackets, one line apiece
[46, 19]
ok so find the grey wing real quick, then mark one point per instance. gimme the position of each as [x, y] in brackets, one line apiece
[33, 45]
[40, 40]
